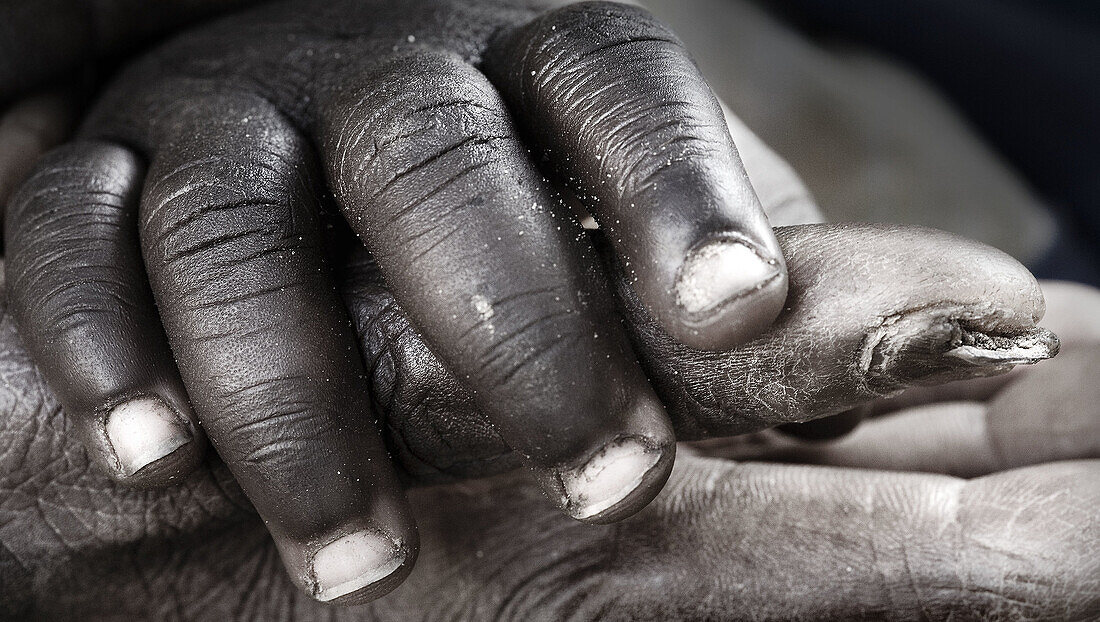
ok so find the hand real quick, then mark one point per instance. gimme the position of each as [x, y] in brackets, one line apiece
[311, 447]
[723, 541]
[97, 524]
[968, 428]
[873, 310]
[470, 238]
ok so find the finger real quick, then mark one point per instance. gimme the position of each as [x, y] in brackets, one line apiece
[79, 294]
[1073, 313]
[1049, 415]
[434, 428]
[782, 542]
[872, 310]
[1021, 542]
[950, 438]
[425, 165]
[230, 239]
[29, 129]
[953, 438]
[850, 281]
[621, 111]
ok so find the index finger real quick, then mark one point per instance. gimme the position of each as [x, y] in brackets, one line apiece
[622, 113]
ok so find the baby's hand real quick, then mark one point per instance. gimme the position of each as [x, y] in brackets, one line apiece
[213, 151]
[424, 162]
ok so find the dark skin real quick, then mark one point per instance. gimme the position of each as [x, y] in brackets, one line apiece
[221, 165]
[424, 406]
[143, 348]
[723, 540]
[809, 365]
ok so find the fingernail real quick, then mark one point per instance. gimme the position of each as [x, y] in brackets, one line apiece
[608, 477]
[720, 271]
[1026, 348]
[932, 344]
[143, 431]
[353, 562]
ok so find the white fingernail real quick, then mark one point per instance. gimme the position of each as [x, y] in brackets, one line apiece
[608, 478]
[352, 562]
[143, 431]
[720, 271]
[1027, 348]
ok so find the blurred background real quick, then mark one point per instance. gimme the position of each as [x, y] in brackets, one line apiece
[981, 117]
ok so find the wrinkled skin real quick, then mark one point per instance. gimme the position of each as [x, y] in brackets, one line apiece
[225, 163]
[223, 145]
[724, 540]
[67, 526]
[972, 427]
[812, 363]
[480, 449]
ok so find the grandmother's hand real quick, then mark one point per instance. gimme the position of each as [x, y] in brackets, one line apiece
[256, 328]
[724, 540]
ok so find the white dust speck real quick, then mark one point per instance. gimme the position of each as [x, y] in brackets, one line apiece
[484, 310]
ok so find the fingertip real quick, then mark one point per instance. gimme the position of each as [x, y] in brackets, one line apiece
[1025, 348]
[720, 271]
[358, 567]
[727, 292]
[150, 443]
[623, 475]
[80, 297]
[616, 483]
[358, 561]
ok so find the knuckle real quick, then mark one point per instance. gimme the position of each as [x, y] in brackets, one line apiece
[590, 25]
[214, 227]
[71, 186]
[587, 41]
[224, 250]
[647, 106]
[434, 122]
[237, 222]
[274, 440]
[69, 227]
[526, 335]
